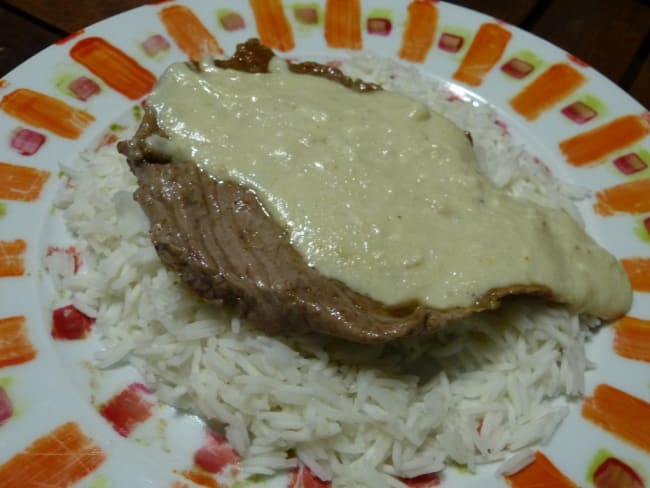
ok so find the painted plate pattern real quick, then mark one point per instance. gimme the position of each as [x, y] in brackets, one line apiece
[64, 423]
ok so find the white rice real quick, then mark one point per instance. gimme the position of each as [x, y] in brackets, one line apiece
[357, 414]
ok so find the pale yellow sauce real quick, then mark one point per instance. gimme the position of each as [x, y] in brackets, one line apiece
[378, 191]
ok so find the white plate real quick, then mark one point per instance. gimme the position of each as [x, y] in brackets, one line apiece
[47, 389]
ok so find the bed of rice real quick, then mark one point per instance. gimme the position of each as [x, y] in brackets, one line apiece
[360, 415]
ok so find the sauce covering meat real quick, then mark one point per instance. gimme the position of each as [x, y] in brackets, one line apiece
[300, 202]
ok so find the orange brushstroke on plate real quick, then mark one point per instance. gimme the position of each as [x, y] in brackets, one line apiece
[15, 347]
[638, 270]
[594, 145]
[632, 338]
[11, 258]
[60, 458]
[540, 473]
[620, 413]
[200, 478]
[191, 36]
[487, 47]
[343, 24]
[632, 197]
[272, 24]
[420, 31]
[556, 83]
[116, 68]
[46, 112]
[21, 183]
[69, 37]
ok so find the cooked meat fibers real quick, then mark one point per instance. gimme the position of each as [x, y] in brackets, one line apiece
[226, 248]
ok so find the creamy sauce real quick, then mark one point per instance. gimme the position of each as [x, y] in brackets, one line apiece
[378, 191]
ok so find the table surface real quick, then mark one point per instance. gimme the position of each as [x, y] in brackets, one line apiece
[613, 36]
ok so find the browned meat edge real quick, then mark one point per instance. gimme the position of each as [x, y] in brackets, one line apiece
[225, 247]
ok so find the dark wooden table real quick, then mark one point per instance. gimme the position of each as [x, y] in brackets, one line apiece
[611, 35]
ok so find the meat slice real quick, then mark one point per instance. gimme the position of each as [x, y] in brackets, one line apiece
[222, 242]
